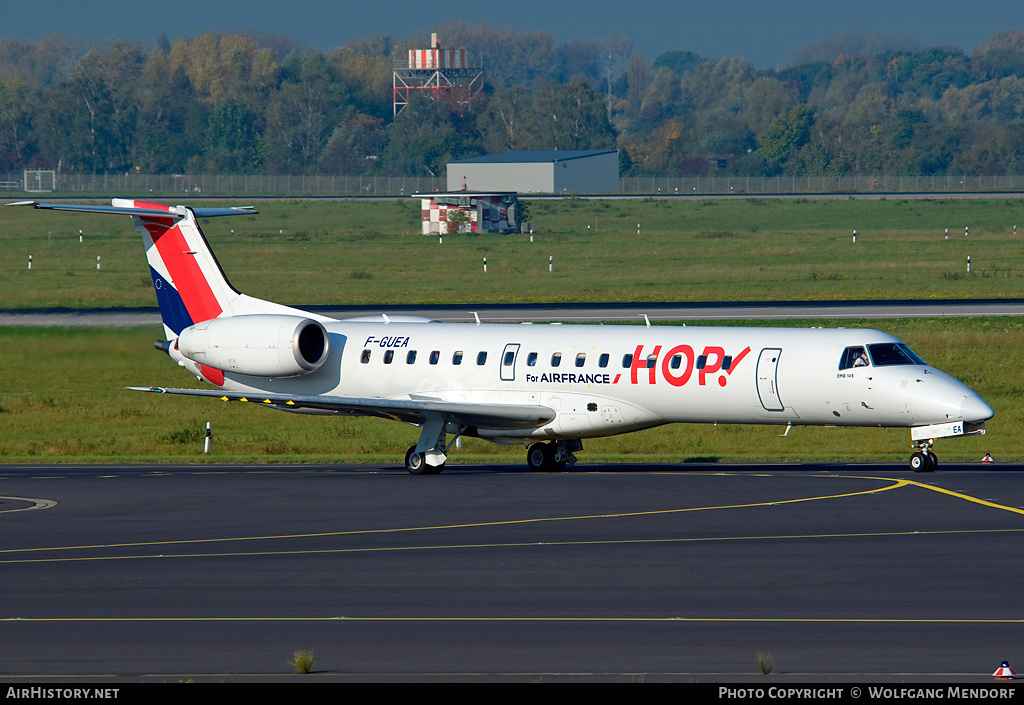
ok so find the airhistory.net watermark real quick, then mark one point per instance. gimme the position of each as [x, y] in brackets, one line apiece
[40, 693]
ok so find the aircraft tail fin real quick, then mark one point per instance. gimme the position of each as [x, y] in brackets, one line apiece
[190, 285]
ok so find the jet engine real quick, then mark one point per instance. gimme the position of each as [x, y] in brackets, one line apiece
[262, 345]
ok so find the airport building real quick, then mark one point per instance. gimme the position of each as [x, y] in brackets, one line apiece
[555, 171]
[469, 212]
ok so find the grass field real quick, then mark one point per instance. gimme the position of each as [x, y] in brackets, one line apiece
[336, 252]
[61, 390]
[62, 399]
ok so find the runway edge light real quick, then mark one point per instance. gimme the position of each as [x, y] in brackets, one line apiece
[1004, 672]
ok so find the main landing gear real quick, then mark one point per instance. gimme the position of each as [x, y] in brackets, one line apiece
[416, 463]
[428, 456]
[552, 456]
[924, 460]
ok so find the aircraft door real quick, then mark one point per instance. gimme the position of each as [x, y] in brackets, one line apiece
[508, 362]
[767, 379]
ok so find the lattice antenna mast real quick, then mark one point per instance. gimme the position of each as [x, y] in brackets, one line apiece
[441, 74]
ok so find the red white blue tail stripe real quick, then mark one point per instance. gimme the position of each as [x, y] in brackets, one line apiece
[190, 286]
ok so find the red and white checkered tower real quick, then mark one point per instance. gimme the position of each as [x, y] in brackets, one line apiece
[443, 74]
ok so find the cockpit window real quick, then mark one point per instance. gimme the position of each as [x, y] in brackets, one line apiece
[883, 354]
[853, 356]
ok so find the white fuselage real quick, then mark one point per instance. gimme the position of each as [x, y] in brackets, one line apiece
[604, 380]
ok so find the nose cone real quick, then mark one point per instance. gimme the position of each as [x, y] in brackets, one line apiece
[974, 409]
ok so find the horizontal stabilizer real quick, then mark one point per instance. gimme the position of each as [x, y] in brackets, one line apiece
[171, 211]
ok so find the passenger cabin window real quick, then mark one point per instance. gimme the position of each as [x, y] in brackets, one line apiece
[435, 357]
[677, 360]
[410, 358]
[481, 358]
[652, 361]
[510, 357]
[727, 362]
[365, 357]
[883, 354]
[389, 355]
[531, 359]
[603, 360]
[580, 359]
[556, 359]
[853, 356]
[457, 358]
[627, 361]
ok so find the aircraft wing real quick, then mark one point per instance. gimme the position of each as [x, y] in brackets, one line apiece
[416, 411]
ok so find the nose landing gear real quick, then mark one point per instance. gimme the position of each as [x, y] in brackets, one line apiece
[924, 460]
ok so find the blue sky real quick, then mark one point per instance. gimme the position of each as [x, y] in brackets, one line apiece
[764, 31]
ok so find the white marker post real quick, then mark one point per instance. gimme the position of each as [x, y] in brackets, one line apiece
[79, 235]
[206, 441]
[551, 263]
[30, 263]
[854, 237]
[97, 262]
[947, 233]
[485, 265]
[968, 263]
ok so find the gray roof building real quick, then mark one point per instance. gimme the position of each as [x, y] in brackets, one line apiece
[553, 171]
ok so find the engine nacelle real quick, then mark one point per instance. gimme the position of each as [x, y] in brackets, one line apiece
[263, 345]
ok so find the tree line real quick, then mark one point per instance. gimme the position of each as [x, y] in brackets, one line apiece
[244, 103]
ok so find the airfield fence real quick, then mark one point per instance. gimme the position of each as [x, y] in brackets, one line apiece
[285, 185]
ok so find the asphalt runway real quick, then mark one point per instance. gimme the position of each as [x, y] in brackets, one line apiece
[574, 313]
[684, 572]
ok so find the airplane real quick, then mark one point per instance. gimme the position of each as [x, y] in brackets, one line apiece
[546, 387]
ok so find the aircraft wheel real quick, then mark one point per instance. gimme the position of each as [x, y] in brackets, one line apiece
[537, 457]
[933, 463]
[541, 458]
[923, 462]
[416, 464]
